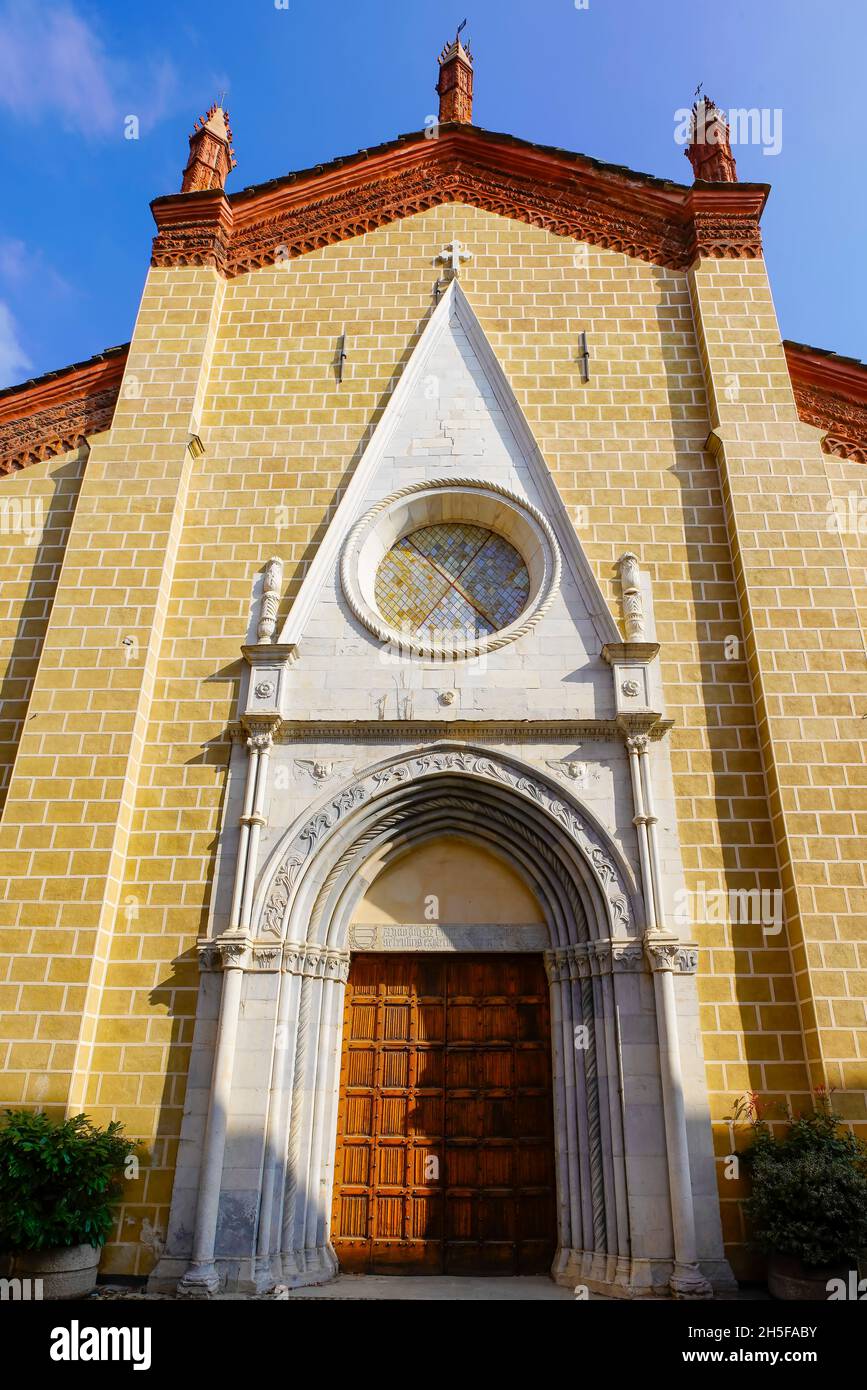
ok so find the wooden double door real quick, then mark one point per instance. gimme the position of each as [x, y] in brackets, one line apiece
[445, 1152]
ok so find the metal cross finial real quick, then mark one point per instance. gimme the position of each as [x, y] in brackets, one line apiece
[697, 92]
[453, 254]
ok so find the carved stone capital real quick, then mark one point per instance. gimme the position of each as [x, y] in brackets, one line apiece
[209, 956]
[318, 962]
[590, 958]
[261, 731]
[627, 955]
[665, 953]
[265, 958]
[227, 952]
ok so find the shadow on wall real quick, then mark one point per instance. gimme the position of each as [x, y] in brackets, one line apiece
[49, 528]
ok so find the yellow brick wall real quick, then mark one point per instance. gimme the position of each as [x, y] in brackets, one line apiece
[36, 509]
[253, 373]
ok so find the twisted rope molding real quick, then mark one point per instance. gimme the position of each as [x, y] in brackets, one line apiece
[374, 623]
[299, 1096]
[594, 1122]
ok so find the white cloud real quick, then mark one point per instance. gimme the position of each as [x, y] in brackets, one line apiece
[13, 259]
[53, 64]
[26, 270]
[14, 362]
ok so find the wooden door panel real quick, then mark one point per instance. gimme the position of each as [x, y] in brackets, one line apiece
[445, 1144]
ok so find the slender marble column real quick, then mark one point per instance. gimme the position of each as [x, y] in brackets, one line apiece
[201, 1279]
[244, 835]
[687, 1280]
[233, 948]
[260, 747]
[634, 747]
[653, 842]
[274, 1169]
[666, 955]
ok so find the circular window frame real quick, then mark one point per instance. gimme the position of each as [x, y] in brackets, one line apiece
[474, 503]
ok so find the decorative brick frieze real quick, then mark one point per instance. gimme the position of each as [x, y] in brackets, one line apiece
[664, 223]
[54, 431]
[831, 393]
[58, 412]
[194, 229]
[724, 221]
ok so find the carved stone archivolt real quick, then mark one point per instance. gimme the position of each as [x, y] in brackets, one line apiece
[310, 891]
[414, 770]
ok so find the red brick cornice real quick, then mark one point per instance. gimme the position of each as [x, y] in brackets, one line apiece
[57, 412]
[831, 393]
[573, 196]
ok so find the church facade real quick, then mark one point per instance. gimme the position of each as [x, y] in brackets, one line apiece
[431, 750]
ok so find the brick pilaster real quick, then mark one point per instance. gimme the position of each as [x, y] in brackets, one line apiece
[68, 813]
[805, 655]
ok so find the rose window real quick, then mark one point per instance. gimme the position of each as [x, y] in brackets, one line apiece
[453, 577]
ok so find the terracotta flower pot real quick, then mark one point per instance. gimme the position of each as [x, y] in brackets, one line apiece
[789, 1278]
[66, 1271]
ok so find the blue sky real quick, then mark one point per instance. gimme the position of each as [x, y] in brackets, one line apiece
[308, 80]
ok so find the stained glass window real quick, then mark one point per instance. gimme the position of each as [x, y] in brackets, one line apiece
[449, 578]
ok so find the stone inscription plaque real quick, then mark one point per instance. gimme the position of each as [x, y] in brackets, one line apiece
[429, 936]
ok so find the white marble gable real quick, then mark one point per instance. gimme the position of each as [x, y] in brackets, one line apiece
[452, 416]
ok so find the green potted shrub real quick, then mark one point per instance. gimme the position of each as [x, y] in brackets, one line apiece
[808, 1202]
[58, 1186]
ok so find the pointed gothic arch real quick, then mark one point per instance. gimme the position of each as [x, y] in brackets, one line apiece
[518, 798]
[593, 960]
